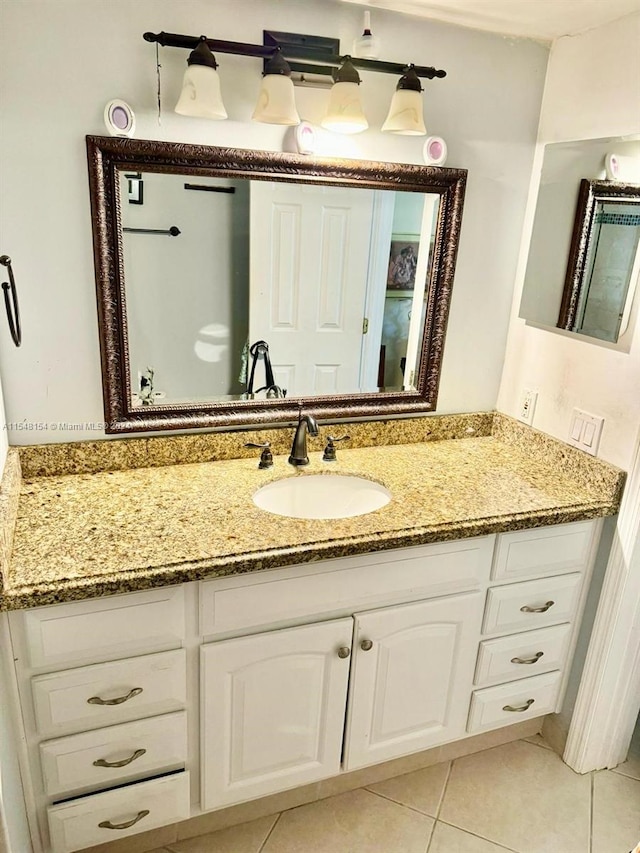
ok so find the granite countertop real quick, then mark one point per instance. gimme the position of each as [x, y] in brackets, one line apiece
[81, 535]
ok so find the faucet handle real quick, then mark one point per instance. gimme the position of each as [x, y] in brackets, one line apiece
[329, 454]
[266, 457]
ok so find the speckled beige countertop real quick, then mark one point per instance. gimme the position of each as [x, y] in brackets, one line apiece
[80, 535]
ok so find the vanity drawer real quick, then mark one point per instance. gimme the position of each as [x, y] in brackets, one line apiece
[158, 744]
[75, 824]
[137, 687]
[103, 629]
[522, 655]
[520, 606]
[339, 587]
[543, 551]
[498, 706]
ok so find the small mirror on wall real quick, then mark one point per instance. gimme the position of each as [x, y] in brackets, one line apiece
[584, 260]
[602, 272]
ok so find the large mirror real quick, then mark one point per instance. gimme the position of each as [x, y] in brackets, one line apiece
[236, 286]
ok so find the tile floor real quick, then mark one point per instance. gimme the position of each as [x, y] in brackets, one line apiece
[519, 797]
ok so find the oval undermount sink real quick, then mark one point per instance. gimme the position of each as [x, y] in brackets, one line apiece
[322, 496]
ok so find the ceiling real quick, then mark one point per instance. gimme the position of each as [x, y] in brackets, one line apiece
[545, 20]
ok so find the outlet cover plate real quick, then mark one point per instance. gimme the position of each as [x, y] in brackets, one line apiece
[585, 431]
[527, 409]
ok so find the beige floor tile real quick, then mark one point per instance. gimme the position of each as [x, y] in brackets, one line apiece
[487, 740]
[538, 740]
[152, 840]
[245, 838]
[448, 839]
[522, 797]
[421, 790]
[355, 822]
[244, 812]
[616, 813]
[367, 776]
[631, 767]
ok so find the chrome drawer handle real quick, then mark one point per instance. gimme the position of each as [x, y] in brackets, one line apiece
[534, 659]
[96, 700]
[519, 708]
[106, 824]
[543, 609]
[102, 763]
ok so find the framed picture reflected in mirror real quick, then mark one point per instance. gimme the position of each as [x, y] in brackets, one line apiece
[403, 264]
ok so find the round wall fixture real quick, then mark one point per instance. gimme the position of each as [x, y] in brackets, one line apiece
[305, 138]
[435, 151]
[119, 118]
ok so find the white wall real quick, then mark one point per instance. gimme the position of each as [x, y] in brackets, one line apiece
[592, 90]
[62, 60]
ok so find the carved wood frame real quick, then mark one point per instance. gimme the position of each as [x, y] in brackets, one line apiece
[590, 193]
[107, 155]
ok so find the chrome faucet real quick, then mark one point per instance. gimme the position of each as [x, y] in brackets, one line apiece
[306, 423]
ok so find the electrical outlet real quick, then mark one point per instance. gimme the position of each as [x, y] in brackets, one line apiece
[527, 406]
[585, 431]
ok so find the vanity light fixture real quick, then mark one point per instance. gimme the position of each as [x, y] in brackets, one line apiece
[314, 58]
[200, 96]
[405, 113]
[276, 100]
[345, 113]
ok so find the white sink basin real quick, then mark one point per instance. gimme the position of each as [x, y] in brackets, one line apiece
[321, 496]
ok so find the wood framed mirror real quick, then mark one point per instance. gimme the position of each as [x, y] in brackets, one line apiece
[236, 286]
[604, 260]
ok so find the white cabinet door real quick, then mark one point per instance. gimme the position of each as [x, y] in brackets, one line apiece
[412, 675]
[273, 710]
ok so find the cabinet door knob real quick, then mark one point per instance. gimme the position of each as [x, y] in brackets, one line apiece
[96, 700]
[519, 708]
[344, 652]
[101, 762]
[543, 609]
[533, 659]
[366, 645]
[106, 824]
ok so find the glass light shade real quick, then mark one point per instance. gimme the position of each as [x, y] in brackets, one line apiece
[200, 96]
[405, 114]
[276, 101]
[344, 113]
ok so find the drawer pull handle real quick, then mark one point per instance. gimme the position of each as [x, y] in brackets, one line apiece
[106, 824]
[96, 700]
[519, 708]
[534, 659]
[344, 652]
[102, 763]
[366, 645]
[543, 609]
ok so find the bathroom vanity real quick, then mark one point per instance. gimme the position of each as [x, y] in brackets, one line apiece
[240, 654]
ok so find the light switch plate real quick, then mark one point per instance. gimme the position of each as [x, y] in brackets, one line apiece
[585, 431]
